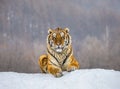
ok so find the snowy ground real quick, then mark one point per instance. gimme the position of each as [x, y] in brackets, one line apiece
[80, 79]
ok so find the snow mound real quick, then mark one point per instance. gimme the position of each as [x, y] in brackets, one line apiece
[79, 79]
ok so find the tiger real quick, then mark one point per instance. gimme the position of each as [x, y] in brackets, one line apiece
[59, 55]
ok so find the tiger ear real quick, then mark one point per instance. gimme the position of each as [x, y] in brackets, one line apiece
[67, 30]
[49, 31]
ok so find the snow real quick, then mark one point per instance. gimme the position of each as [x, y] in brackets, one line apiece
[79, 79]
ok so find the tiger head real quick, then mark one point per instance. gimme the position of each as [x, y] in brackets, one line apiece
[58, 39]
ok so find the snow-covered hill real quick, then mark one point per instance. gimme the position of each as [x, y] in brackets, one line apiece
[80, 79]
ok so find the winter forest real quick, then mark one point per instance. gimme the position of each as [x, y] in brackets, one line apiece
[94, 26]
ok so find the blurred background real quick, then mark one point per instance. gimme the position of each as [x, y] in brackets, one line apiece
[94, 26]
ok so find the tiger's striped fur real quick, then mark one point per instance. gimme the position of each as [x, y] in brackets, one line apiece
[59, 55]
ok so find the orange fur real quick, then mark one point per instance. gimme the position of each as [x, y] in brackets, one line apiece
[43, 61]
[61, 58]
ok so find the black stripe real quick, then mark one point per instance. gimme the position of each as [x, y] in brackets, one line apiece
[53, 56]
[68, 39]
[66, 58]
[57, 59]
[54, 64]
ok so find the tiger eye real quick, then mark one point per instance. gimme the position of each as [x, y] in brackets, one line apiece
[54, 38]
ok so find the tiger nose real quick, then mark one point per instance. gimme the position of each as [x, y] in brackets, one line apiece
[59, 46]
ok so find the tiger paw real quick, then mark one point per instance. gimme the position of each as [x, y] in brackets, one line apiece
[57, 72]
[72, 68]
[59, 75]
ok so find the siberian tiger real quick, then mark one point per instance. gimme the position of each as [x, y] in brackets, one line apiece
[59, 55]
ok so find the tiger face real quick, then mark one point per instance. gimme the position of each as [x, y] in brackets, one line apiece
[58, 39]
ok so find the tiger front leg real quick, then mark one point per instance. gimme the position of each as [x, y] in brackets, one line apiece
[73, 65]
[56, 71]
